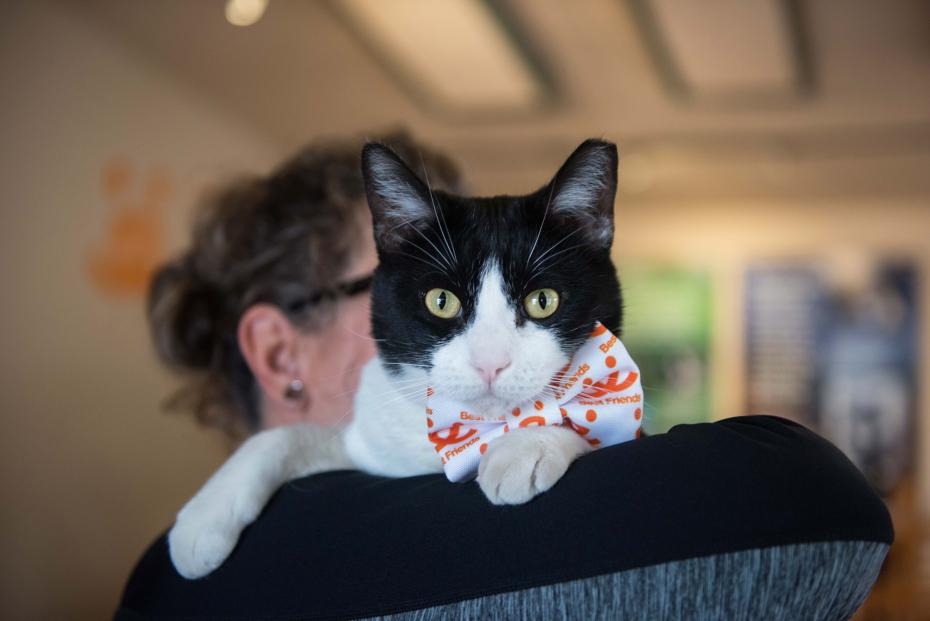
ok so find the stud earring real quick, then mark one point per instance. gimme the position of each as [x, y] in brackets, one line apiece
[294, 390]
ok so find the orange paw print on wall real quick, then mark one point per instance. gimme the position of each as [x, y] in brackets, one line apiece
[121, 264]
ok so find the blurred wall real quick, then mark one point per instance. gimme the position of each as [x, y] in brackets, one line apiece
[90, 469]
[726, 236]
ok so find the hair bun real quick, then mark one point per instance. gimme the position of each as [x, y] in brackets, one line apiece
[183, 314]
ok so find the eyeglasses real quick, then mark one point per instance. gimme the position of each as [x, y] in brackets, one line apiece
[344, 290]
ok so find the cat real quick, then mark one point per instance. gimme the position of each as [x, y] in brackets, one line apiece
[484, 300]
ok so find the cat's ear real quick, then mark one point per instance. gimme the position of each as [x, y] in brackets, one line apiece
[583, 190]
[400, 202]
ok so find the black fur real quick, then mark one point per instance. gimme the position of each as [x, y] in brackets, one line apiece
[502, 229]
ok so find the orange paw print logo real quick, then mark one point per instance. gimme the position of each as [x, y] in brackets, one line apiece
[453, 435]
[611, 384]
[122, 263]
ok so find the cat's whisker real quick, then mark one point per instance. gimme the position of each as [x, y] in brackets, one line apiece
[415, 383]
[541, 223]
[362, 336]
[548, 259]
[555, 245]
[355, 367]
[410, 365]
[445, 260]
[410, 382]
[420, 366]
[440, 218]
[336, 437]
[440, 268]
[403, 381]
[410, 394]
[653, 390]
[409, 224]
[583, 327]
[399, 397]
[548, 262]
[443, 255]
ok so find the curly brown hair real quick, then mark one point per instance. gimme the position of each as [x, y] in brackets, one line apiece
[271, 239]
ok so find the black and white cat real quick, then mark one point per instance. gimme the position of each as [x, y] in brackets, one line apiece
[482, 299]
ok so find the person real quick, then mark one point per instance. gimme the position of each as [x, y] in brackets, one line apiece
[747, 518]
[266, 314]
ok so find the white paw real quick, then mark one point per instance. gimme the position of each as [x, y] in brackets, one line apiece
[206, 531]
[527, 462]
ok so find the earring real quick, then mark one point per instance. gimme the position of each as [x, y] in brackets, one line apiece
[294, 390]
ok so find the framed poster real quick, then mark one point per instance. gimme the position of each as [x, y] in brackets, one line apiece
[839, 355]
[667, 329]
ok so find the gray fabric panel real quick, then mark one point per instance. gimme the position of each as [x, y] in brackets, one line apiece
[817, 581]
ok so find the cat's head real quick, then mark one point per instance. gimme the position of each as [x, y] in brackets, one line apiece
[490, 297]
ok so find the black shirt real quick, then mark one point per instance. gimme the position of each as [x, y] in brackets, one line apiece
[349, 544]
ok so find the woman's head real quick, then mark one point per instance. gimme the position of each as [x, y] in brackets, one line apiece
[267, 310]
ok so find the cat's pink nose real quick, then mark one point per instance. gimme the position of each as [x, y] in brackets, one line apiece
[491, 371]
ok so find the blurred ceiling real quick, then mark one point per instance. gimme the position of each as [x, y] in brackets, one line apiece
[857, 124]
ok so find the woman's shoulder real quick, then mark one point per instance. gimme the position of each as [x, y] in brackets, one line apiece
[346, 543]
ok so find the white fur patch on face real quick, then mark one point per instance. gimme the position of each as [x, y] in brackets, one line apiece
[494, 364]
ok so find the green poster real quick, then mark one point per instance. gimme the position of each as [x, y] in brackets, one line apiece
[666, 327]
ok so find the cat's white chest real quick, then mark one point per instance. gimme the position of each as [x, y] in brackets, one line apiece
[388, 434]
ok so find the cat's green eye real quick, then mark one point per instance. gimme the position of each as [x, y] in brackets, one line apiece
[442, 303]
[541, 303]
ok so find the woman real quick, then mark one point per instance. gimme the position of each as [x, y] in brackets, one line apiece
[266, 315]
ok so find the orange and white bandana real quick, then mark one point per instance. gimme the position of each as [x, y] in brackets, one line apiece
[598, 394]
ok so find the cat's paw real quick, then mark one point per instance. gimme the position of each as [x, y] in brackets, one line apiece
[206, 531]
[527, 462]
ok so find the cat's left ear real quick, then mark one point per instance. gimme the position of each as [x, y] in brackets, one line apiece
[583, 190]
[400, 202]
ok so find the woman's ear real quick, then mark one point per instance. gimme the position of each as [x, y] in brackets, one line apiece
[270, 344]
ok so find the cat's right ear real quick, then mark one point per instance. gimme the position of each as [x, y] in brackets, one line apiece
[583, 191]
[400, 202]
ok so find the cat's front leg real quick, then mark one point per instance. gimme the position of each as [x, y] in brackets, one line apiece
[208, 526]
[526, 462]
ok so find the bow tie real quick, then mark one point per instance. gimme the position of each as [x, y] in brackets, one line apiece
[598, 394]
